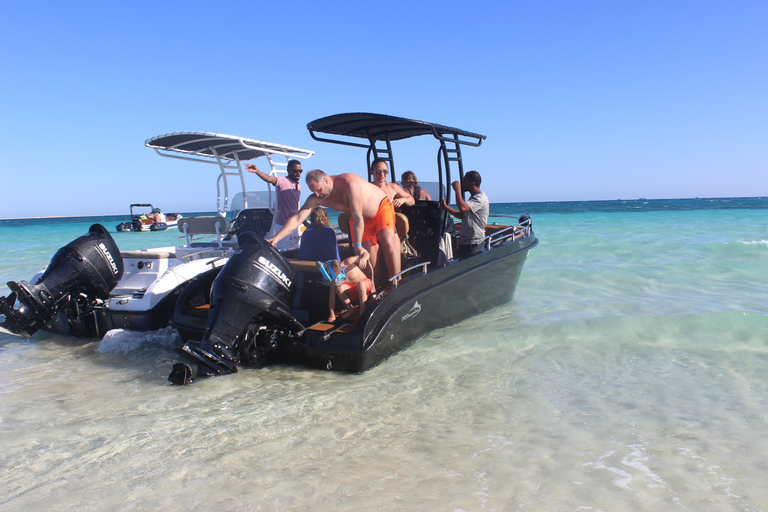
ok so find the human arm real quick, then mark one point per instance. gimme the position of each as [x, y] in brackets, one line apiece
[401, 196]
[355, 201]
[453, 211]
[462, 205]
[264, 176]
[293, 222]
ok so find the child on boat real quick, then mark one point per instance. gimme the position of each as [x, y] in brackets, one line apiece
[349, 282]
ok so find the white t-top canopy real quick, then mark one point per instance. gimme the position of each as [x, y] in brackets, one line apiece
[228, 151]
[216, 145]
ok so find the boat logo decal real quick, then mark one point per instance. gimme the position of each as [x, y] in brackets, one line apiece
[108, 257]
[415, 310]
[270, 268]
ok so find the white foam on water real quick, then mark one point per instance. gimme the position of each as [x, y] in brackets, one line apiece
[123, 341]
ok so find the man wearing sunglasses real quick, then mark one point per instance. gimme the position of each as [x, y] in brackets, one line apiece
[288, 192]
[395, 192]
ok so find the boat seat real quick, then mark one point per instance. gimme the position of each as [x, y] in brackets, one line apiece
[402, 225]
[345, 247]
[429, 225]
[204, 225]
[344, 222]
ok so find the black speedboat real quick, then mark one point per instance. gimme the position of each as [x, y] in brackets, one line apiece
[265, 308]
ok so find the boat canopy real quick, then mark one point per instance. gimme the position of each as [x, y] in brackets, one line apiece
[383, 127]
[380, 128]
[228, 151]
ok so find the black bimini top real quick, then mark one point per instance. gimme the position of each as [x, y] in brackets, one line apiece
[374, 127]
[230, 147]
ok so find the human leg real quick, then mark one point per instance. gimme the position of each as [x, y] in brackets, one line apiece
[332, 304]
[363, 287]
[390, 246]
[373, 250]
[383, 227]
[346, 298]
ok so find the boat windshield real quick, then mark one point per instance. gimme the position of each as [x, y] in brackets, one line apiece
[256, 199]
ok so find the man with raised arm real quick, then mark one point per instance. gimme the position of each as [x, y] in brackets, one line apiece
[372, 215]
[288, 192]
[473, 214]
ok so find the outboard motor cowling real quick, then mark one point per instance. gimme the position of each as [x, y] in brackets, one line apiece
[256, 283]
[90, 265]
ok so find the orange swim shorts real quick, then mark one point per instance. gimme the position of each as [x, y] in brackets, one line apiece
[384, 219]
[353, 292]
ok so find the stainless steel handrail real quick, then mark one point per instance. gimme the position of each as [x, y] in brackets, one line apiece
[394, 279]
[506, 232]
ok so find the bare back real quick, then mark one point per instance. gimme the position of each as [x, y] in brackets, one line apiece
[349, 188]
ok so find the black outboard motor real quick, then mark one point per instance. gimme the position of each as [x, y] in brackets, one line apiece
[254, 289]
[89, 265]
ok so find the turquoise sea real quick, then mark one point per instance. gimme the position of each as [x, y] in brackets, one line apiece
[629, 373]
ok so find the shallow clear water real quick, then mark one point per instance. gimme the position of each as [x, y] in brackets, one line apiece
[629, 373]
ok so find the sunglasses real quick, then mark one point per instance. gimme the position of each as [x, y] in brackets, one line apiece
[297, 170]
[381, 172]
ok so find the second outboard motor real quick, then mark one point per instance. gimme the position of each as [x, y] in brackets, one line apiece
[90, 265]
[256, 284]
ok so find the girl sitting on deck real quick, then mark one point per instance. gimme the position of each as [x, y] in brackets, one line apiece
[349, 283]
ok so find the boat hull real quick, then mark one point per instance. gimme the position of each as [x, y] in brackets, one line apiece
[424, 303]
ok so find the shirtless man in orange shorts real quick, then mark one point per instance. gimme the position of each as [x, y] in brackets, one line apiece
[372, 215]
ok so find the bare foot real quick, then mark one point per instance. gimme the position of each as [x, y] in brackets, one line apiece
[350, 314]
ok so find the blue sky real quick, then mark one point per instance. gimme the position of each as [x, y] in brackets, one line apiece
[580, 100]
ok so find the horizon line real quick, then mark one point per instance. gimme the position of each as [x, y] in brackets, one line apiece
[508, 202]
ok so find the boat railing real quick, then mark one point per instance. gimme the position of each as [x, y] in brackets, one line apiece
[205, 252]
[396, 278]
[513, 232]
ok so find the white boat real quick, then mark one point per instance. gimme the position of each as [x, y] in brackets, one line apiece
[90, 286]
[141, 221]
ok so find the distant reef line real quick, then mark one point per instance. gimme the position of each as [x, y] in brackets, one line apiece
[640, 199]
[63, 216]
